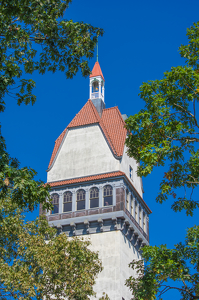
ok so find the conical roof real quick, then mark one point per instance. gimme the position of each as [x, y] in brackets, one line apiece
[97, 71]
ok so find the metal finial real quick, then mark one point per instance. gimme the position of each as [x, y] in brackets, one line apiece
[97, 48]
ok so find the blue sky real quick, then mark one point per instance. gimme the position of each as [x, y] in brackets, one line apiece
[141, 42]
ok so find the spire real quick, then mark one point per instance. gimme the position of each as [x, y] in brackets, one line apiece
[97, 48]
[97, 89]
[97, 71]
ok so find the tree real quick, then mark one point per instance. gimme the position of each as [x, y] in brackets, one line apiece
[28, 24]
[64, 45]
[166, 131]
[35, 262]
[162, 265]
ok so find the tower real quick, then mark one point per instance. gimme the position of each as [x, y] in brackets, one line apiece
[97, 83]
[96, 192]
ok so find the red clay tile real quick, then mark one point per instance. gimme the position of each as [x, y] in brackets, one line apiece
[97, 71]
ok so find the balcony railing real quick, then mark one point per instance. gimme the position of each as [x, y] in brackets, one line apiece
[96, 95]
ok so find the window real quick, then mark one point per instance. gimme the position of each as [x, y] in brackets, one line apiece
[136, 211]
[140, 216]
[67, 202]
[144, 221]
[95, 87]
[131, 172]
[131, 205]
[81, 195]
[127, 201]
[108, 195]
[55, 203]
[94, 197]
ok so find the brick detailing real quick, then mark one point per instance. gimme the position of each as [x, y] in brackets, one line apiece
[120, 199]
[81, 213]
[97, 71]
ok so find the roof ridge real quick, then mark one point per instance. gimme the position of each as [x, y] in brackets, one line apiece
[56, 146]
[120, 114]
[94, 110]
[103, 126]
[109, 138]
[111, 107]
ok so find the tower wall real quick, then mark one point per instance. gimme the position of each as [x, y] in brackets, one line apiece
[116, 252]
[125, 164]
[83, 152]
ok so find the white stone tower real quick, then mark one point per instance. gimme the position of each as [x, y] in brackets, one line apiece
[95, 189]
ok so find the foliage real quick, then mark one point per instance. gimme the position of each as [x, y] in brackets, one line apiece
[19, 184]
[166, 131]
[34, 36]
[104, 297]
[36, 262]
[161, 265]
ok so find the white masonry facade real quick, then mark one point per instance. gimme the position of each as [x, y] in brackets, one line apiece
[96, 192]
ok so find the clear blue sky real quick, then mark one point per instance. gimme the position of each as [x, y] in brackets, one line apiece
[141, 41]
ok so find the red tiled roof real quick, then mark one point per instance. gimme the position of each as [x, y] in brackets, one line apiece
[87, 115]
[114, 124]
[56, 147]
[95, 177]
[84, 179]
[97, 71]
[111, 124]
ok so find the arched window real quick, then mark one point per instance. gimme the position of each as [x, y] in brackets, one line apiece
[94, 197]
[108, 195]
[95, 87]
[67, 202]
[55, 203]
[81, 196]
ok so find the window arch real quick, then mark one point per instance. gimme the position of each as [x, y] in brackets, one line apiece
[67, 202]
[95, 86]
[81, 196]
[94, 197]
[55, 203]
[108, 195]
